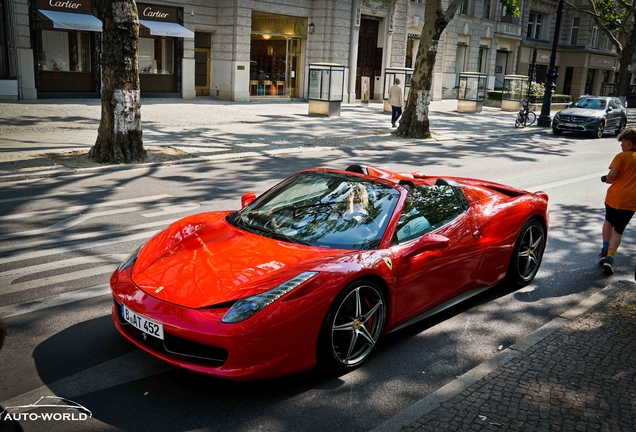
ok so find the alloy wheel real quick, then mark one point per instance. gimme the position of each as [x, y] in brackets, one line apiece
[357, 325]
[530, 252]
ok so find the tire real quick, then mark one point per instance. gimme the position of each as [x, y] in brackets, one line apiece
[532, 117]
[352, 327]
[557, 131]
[527, 253]
[518, 121]
[621, 126]
[600, 129]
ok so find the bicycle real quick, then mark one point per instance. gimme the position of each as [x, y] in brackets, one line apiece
[525, 116]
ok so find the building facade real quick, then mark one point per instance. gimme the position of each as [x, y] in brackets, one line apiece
[229, 49]
[482, 39]
[244, 49]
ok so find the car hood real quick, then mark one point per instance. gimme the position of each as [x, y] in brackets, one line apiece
[202, 261]
[582, 112]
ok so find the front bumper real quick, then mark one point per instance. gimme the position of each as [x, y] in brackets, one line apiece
[279, 342]
[576, 125]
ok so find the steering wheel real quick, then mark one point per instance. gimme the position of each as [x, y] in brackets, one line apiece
[366, 219]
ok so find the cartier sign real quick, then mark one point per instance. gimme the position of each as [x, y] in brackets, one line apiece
[76, 6]
[156, 13]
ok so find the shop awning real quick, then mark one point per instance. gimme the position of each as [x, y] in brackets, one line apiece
[72, 21]
[159, 28]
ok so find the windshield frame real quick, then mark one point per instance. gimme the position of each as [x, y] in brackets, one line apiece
[308, 218]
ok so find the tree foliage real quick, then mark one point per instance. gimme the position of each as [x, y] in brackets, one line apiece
[511, 8]
[615, 18]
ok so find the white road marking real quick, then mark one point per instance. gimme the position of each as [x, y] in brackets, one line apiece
[84, 236]
[177, 208]
[82, 208]
[76, 247]
[566, 182]
[8, 277]
[55, 195]
[67, 223]
[53, 301]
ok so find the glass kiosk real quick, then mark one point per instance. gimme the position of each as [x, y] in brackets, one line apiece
[390, 74]
[326, 86]
[514, 91]
[472, 92]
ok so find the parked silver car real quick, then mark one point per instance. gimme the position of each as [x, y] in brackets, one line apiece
[591, 114]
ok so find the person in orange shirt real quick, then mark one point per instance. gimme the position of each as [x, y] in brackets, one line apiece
[620, 201]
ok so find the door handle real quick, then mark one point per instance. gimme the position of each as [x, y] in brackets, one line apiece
[477, 234]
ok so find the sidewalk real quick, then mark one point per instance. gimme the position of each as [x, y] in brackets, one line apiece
[34, 135]
[576, 373]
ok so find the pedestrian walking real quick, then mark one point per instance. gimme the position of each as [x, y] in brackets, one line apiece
[620, 200]
[396, 100]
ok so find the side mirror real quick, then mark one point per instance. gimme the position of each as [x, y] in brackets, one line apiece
[428, 243]
[247, 199]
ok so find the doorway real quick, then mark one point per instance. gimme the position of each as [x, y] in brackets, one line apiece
[589, 81]
[369, 55]
[202, 55]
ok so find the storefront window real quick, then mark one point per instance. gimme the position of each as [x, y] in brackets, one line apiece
[4, 42]
[64, 51]
[156, 55]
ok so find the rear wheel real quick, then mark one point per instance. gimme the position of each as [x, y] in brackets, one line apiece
[532, 117]
[600, 128]
[519, 120]
[527, 254]
[352, 327]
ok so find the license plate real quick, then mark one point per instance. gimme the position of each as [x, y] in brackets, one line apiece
[144, 324]
[570, 125]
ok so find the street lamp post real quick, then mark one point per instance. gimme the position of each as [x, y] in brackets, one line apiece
[550, 85]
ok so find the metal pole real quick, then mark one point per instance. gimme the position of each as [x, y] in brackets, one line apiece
[544, 118]
[533, 65]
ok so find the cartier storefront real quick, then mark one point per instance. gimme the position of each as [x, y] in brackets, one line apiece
[67, 35]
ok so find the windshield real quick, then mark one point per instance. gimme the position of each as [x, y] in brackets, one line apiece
[323, 209]
[587, 103]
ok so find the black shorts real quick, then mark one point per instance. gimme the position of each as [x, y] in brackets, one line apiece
[618, 218]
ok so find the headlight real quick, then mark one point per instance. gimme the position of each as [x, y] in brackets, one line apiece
[245, 308]
[591, 119]
[557, 117]
[130, 261]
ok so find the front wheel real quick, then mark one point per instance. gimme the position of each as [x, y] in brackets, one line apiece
[527, 253]
[556, 131]
[600, 129]
[352, 326]
[532, 117]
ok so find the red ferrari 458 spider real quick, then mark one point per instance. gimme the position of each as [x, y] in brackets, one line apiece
[317, 268]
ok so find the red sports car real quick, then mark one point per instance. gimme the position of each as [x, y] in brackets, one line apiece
[317, 268]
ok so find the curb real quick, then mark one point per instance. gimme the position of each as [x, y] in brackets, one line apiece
[447, 392]
[64, 171]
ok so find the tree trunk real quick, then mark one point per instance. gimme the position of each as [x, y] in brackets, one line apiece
[626, 54]
[414, 122]
[119, 138]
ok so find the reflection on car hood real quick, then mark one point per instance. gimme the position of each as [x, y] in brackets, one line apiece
[582, 112]
[202, 260]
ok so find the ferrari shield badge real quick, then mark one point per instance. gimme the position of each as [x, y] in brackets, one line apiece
[388, 263]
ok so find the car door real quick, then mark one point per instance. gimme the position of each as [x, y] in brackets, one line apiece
[432, 277]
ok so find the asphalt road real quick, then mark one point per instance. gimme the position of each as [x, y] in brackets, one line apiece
[61, 238]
